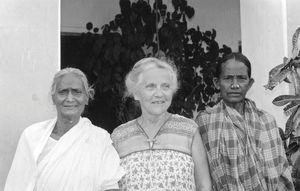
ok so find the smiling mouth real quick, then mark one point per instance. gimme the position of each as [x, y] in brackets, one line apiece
[70, 106]
[158, 102]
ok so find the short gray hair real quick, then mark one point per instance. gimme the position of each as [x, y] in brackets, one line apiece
[89, 91]
[132, 79]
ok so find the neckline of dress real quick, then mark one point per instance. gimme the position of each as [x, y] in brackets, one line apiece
[151, 141]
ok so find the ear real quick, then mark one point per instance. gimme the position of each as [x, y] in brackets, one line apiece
[216, 83]
[86, 98]
[136, 97]
[251, 82]
[52, 97]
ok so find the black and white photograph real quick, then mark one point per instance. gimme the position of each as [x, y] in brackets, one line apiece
[150, 95]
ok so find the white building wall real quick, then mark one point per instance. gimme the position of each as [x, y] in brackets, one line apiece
[293, 21]
[29, 56]
[267, 29]
[264, 43]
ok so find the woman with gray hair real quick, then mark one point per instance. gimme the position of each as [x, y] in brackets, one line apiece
[159, 151]
[67, 152]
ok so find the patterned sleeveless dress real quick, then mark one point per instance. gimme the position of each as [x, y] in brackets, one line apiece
[164, 165]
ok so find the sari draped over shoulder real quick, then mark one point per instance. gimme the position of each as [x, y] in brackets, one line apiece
[83, 159]
[245, 153]
[166, 164]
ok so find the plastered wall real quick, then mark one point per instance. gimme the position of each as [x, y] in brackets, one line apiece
[29, 56]
[266, 29]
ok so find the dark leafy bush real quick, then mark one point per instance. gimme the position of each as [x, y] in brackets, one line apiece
[142, 30]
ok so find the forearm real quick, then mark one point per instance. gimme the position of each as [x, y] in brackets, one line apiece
[202, 174]
[204, 188]
[203, 181]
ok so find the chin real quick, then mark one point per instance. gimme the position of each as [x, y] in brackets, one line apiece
[71, 114]
[234, 101]
[158, 112]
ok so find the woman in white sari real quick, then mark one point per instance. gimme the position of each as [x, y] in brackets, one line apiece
[67, 152]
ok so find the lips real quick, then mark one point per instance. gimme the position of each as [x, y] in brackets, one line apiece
[69, 106]
[158, 102]
[234, 94]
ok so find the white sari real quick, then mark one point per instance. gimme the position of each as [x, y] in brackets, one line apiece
[82, 160]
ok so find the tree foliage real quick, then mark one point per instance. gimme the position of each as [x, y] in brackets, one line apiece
[142, 30]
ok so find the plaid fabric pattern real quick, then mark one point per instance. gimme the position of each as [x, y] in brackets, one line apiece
[245, 153]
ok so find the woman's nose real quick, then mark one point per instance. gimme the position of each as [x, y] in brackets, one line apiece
[158, 92]
[70, 96]
[235, 84]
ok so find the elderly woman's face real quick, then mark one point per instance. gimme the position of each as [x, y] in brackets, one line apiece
[155, 91]
[70, 97]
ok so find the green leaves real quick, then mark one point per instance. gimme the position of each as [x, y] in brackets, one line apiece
[288, 72]
[290, 108]
[282, 72]
[277, 75]
[285, 99]
[296, 81]
[141, 30]
[292, 123]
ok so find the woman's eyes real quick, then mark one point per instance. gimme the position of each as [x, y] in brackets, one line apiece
[153, 86]
[150, 86]
[73, 91]
[237, 78]
[165, 86]
[76, 92]
[63, 92]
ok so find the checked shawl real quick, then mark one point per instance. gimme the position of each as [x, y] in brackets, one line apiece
[244, 152]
